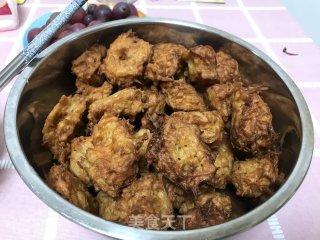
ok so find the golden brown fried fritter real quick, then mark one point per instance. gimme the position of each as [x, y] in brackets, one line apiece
[251, 123]
[71, 188]
[227, 67]
[127, 102]
[184, 158]
[219, 97]
[182, 96]
[202, 64]
[210, 124]
[87, 64]
[154, 108]
[126, 59]
[61, 124]
[79, 147]
[208, 209]
[93, 93]
[253, 177]
[223, 162]
[144, 198]
[112, 163]
[176, 194]
[165, 61]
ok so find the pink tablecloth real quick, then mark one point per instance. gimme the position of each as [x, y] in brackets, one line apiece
[267, 25]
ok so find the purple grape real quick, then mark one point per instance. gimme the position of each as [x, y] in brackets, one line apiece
[33, 33]
[133, 10]
[88, 19]
[77, 27]
[64, 34]
[91, 8]
[121, 10]
[78, 16]
[102, 13]
[94, 22]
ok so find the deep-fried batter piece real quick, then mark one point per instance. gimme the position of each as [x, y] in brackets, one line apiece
[251, 123]
[87, 64]
[227, 67]
[61, 124]
[112, 163]
[145, 197]
[127, 102]
[176, 194]
[184, 158]
[253, 177]
[71, 188]
[154, 108]
[219, 97]
[93, 93]
[126, 59]
[210, 124]
[79, 147]
[208, 209]
[182, 96]
[143, 137]
[165, 61]
[223, 162]
[202, 63]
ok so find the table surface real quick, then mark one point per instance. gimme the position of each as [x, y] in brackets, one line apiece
[268, 25]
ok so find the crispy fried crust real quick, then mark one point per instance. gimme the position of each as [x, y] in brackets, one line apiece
[112, 163]
[253, 177]
[87, 64]
[208, 209]
[251, 124]
[79, 147]
[71, 188]
[155, 105]
[93, 93]
[202, 64]
[143, 137]
[182, 96]
[184, 158]
[126, 60]
[127, 102]
[146, 197]
[210, 124]
[219, 98]
[61, 125]
[165, 61]
[227, 67]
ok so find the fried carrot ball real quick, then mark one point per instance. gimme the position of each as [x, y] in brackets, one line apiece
[251, 124]
[227, 67]
[253, 177]
[184, 158]
[208, 209]
[61, 124]
[165, 62]
[219, 97]
[126, 60]
[127, 102]
[146, 197]
[87, 64]
[182, 96]
[202, 64]
[210, 124]
[71, 188]
[111, 163]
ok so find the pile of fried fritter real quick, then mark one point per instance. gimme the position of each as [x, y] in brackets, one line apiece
[160, 130]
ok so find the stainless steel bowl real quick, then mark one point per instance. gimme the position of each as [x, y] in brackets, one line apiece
[46, 78]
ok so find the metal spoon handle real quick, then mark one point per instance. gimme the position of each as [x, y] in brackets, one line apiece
[23, 58]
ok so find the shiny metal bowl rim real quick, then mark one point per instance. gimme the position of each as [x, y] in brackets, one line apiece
[246, 221]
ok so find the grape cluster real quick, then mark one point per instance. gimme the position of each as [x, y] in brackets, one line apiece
[93, 15]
